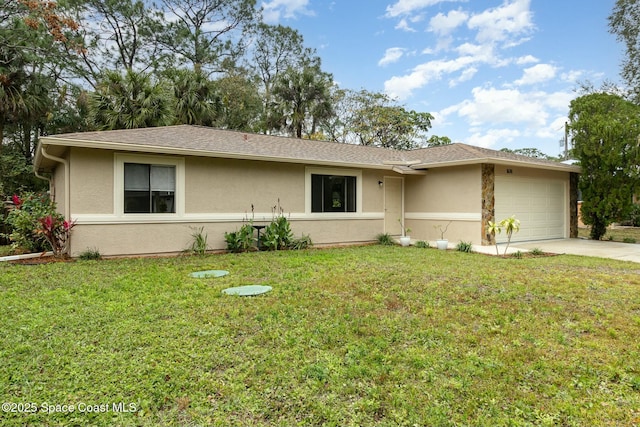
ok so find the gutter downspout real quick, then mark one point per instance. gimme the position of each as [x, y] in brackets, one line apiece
[67, 184]
[52, 190]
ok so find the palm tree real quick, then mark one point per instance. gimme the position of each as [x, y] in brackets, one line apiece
[493, 229]
[301, 95]
[23, 95]
[129, 101]
[196, 101]
[510, 225]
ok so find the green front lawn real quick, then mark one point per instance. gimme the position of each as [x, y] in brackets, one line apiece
[353, 336]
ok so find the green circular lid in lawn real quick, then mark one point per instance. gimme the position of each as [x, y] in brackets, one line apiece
[209, 273]
[248, 290]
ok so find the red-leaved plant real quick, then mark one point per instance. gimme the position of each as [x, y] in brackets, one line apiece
[57, 231]
[17, 201]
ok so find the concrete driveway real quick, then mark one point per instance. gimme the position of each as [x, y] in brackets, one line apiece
[594, 248]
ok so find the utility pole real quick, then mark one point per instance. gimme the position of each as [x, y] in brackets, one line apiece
[566, 140]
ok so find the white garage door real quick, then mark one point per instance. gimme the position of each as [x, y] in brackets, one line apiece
[539, 204]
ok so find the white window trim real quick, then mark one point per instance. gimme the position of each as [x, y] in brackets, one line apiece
[331, 171]
[118, 186]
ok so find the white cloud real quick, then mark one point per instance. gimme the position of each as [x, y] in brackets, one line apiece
[391, 55]
[554, 130]
[493, 137]
[471, 56]
[537, 74]
[404, 25]
[527, 59]
[444, 24]
[275, 10]
[572, 76]
[480, 52]
[495, 28]
[534, 114]
[500, 24]
[559, 101]
[466, 75]
[403, 86]
[490, 105]
[406, 7]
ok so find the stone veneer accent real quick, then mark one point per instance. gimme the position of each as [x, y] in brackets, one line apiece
[573, 205]
[488, 201]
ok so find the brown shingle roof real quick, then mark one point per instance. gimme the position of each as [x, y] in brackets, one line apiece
[205, 141]
[210, 141]
[457, 153]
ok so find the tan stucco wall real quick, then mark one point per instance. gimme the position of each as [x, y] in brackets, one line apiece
[218, 193]
[374, 193]
[455, 189]
[91, 181]
[467, 231]
[225, 185]
[443, 195]
[57, 188]
[132, 239]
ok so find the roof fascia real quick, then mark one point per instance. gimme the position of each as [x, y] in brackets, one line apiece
[401, 162]
[408, 171]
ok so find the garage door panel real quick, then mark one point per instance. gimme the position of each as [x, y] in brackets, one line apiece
[539, 204]
[537, 217]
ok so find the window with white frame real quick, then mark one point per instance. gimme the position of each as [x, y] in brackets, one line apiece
[149, 188]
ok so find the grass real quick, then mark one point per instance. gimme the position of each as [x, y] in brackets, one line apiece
[618, 234]
[373, 335]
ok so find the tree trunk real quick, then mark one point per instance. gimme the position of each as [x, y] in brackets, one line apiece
[1, 135]
[598, 229]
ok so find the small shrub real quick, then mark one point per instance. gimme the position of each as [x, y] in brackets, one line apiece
[517, 254]
[422, 244]
[199, 244]
[24, 221]
[57, 233]
[464, 247]
[536, 251]
[90, 254]
[303, 242]
[385, 239]
[629, 240]
[277, 235]
[241, 240]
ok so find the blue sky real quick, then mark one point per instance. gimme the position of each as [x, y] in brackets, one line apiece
[494, 73]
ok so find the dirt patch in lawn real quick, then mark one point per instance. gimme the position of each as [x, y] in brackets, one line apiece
[42, 260]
